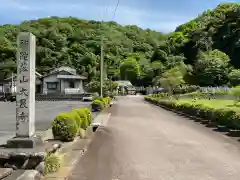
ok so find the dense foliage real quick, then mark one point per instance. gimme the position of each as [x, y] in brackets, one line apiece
[210, 43]
[66, 126]
[207, 47]
[100, 103]
[76, 43]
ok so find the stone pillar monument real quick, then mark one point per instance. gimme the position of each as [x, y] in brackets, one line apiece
[25, 97]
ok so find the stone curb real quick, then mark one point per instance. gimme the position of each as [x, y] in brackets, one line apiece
[24, 175]
[71, 155]
[71, 151]
[45, 134]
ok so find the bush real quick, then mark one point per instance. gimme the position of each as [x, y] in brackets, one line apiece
[77, 118]
[84, 117]
[107, 100]
[97, 105]
[104, 101]
[89, 115]
[225, 117]
[52, 163]
[65, 127]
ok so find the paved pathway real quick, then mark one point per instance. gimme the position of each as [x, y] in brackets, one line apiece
[45, 113]
[144, 142]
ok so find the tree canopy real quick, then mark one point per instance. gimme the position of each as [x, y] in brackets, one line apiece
[208, 46]
[76, 43]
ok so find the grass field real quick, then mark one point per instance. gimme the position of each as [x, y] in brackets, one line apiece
[214, 103]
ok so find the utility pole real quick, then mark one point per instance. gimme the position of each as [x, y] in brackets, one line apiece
[101, 69]
[12, 90]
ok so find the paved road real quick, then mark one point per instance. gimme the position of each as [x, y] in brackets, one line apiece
[143, 142]
[45, 113]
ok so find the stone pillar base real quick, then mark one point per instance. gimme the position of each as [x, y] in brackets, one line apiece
[21, 142]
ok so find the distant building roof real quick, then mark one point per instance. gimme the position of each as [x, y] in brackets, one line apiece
[70, 77]
[124, 83]
[131, 88]
[64, 68]
[70, 70]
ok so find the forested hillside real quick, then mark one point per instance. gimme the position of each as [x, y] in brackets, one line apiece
[210, 43]
[204, 51]
[74, 42]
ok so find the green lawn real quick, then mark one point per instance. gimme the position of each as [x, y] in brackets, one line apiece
[214, 103]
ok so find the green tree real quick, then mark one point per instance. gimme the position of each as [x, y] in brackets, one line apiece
[76, 43]
[172, 78]
[130, 70]
[234, 77]
[108, 86]
[212, 68]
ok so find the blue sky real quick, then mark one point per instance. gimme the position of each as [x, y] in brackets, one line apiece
[160, 15]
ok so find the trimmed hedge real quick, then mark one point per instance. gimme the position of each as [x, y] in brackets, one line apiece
[66, 126]
[52, 163]
[89, 115]
[224, 117]
[84, 118]
[100, 103]
[97, 105]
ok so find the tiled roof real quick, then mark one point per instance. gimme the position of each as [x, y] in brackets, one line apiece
[124, 83]
[70, 77]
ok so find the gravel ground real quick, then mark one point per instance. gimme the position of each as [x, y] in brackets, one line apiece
[45, 113]
[144, 142]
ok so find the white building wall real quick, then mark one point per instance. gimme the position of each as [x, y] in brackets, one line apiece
[51, 78]
[79, 85]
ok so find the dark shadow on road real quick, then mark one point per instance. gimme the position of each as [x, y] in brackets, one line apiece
[96, 163]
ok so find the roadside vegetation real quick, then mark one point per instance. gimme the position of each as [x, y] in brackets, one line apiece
[221, 108]
[68, 125]
[203, 51]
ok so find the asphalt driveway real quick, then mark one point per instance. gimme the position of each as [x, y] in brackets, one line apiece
[45, 113]
[145, 142]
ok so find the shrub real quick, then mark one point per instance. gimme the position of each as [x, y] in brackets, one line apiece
[97, 104]
[84, 117]
[104, 100]
[82, 133]
[100, 103]
[77, 117]
[89, 115]
[64, 127]
[107, 99]
[52, 163]
[226, 117]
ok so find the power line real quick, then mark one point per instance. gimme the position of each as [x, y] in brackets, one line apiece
[115, 10]
[102, 49]
[106, 10]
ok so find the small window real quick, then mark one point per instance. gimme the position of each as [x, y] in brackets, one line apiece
[52, 85]
[71, 84]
